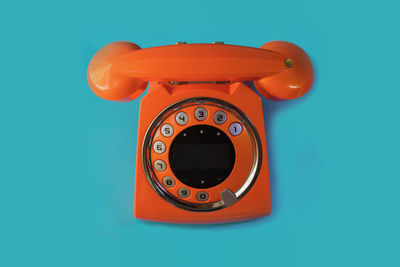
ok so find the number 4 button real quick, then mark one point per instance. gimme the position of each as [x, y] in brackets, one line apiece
[182, 118]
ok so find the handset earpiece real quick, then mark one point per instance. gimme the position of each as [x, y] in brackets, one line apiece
[292, 83]
[109, 84]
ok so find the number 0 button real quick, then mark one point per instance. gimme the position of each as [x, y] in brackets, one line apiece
[202, 196]
[183, 192]
[167, 130]
[159, 147]
[160, 165]
[182, 118]
[220, 117]
[168, 181]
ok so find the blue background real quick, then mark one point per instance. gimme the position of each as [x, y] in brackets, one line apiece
[67, 156]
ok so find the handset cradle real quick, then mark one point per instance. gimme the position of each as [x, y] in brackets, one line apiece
[201, 150]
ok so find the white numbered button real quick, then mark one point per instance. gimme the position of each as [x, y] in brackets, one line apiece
[235, 128]
[220, 117]
[183, 192]
[168, 181]
[182, 118]
[200, 113]
[159, 147]
[160, 165]
[167, 130]
[202, 196]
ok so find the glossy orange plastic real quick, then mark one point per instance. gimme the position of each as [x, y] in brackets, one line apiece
[256, 203]
[120, 71]
[242, 144]
[280, 70]
[289, 84]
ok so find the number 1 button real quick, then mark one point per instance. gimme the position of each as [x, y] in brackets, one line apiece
[235, 128]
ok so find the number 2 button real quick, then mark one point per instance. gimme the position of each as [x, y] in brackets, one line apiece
[220, 117]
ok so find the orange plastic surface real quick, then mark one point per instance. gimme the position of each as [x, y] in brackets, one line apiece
[200, 62]
[289, 84]
[109, 84]
[256, 203]
[280, 70]
[120, 71]
[243, 150]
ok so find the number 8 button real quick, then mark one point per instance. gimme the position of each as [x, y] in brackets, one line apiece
[168, 181]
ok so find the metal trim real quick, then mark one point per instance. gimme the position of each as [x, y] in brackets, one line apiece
[201, 207]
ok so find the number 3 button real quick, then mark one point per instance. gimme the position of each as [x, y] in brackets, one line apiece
[159, 147]
[200, 113]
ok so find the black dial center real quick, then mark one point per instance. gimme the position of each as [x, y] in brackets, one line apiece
[202, 156]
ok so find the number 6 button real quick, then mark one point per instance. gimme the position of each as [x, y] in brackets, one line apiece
[159, 147]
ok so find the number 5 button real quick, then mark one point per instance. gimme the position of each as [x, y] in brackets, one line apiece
[159, 147]
[167, 130]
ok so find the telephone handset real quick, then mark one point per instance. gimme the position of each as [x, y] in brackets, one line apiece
[201, 155]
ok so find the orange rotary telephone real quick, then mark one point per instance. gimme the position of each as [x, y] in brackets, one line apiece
[201, 150]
